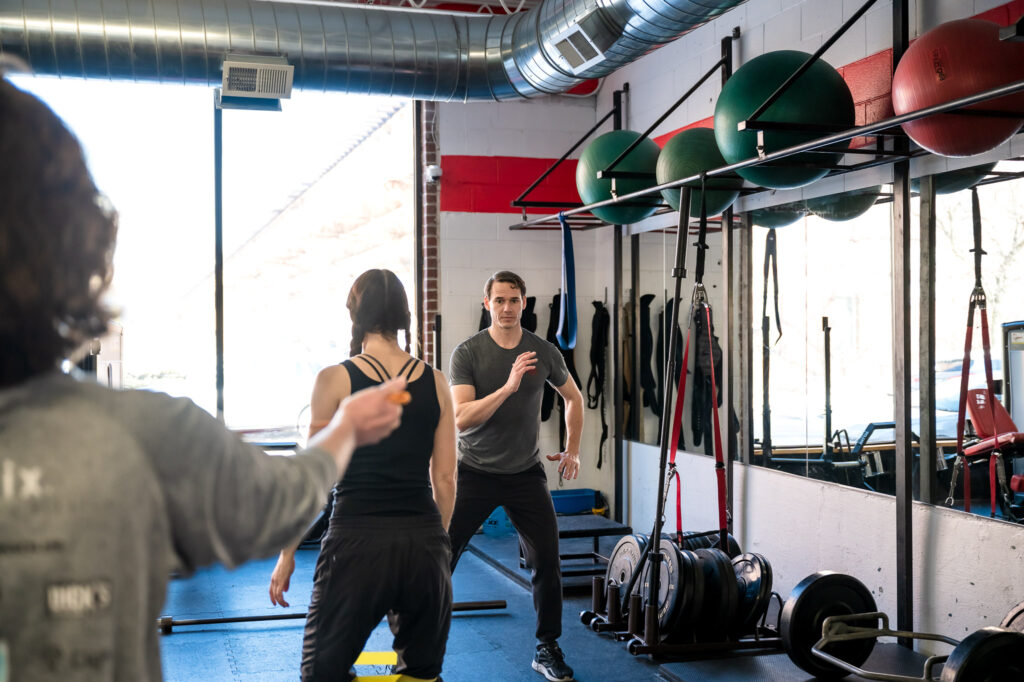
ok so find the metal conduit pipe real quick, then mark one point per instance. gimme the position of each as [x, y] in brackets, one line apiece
[421, 54]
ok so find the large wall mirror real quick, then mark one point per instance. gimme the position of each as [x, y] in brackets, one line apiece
[826, 410]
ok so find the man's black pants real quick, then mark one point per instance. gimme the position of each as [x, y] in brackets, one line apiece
[527, 501]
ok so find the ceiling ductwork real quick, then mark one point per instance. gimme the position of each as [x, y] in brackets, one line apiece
[353, 48]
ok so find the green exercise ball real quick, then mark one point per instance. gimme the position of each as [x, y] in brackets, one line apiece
[819, 96]
[597, 156]
[845, 205]
[779, 216]
[690, 152]
[956, 180]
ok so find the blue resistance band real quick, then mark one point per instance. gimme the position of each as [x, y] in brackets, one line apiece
[566, 334]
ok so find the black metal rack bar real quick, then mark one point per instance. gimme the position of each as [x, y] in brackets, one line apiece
[752, 123]
[609, 173]
[519, 201]
[859, 131]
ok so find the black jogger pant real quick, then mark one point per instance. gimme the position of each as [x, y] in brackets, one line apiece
[527, 501]
[370, 567]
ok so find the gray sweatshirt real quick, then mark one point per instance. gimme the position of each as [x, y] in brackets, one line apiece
[102, 494]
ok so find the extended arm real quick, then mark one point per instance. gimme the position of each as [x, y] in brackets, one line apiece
[443, 475]
[569, 459]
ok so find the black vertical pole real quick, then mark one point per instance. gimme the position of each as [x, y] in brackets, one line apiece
[826, 449]
[437, 342]
[218, 247]
[729, 368]
[901, 356]
[926, 345]
[617, 427]
[419, 228]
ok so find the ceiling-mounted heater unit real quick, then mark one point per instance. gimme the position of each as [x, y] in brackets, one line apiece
[583, 43]
[257, 76]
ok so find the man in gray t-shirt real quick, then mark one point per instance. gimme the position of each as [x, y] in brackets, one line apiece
[497, 378]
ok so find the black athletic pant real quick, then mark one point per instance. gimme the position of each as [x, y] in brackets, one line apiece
[527, 501]
[374, 566]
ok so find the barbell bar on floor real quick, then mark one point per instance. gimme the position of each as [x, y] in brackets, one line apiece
[166, 624]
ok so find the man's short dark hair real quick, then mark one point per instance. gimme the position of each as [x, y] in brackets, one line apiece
[507, 277]
[56, 240]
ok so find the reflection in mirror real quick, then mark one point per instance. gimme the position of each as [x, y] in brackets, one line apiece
[643, 325]
[1000, 207]
[650, 320]
[822, 385]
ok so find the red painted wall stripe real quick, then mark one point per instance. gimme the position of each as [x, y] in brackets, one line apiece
[488, 184]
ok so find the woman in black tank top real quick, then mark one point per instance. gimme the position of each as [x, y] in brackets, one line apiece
[386, 551]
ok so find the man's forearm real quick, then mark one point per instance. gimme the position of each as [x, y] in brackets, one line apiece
[475, 412]
[573, 425]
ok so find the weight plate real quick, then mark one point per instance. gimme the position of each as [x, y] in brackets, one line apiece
[693, 540]
[814, 599]
[720, 593]
[622, 563]
[988, 655]
[1014, 618]
[691, 595]
[754, 581]
[668, 587]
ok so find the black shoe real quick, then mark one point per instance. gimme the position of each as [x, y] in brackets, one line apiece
[549, 661]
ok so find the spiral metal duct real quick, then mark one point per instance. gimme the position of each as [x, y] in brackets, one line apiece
[342, 47]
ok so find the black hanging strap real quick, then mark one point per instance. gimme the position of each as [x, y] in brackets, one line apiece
[979, 301]
[595, 382]
[771, 261]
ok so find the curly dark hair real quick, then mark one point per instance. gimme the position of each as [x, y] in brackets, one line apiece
[56, 240]
[378, 305]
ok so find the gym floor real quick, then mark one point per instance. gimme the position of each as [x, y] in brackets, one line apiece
[483, 645]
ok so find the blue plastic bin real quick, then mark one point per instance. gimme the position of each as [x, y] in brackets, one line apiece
[578, 501]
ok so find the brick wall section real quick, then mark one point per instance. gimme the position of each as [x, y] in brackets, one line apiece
[430, 230]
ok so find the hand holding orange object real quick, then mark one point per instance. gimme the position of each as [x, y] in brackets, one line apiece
[400, 398]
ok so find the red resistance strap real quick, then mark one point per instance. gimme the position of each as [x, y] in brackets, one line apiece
[977, 301]
[677, 421]
[677, 424]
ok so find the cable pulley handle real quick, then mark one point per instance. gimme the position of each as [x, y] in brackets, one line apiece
[977, 250]
[702, 233]
[771, 263]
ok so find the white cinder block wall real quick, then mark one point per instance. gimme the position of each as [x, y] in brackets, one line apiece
[967, 569]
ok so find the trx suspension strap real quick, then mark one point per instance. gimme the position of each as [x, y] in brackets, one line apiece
[595, 382]
[771, 257]
[978, 301]
[567, 308]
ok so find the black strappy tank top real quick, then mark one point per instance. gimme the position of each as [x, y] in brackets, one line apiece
[392, 478]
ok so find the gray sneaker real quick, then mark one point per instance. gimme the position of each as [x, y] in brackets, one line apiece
[549, 661]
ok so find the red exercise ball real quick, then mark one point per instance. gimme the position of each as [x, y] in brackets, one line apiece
[954, 60]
